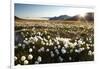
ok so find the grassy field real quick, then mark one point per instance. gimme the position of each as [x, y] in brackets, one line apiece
[45, 41]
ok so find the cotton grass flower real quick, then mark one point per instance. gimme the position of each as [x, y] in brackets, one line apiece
[47, 44]
[90, 53]
[39, 33]
[75, 43]
[51, 43]
[39, 50]
[30, 50]
[91, 45]
[39, 59]
[26, 42]
[23, 45]
[52, 54]
[70, 58]
[71, 45]
[66, 45]
[57, 42]
[33, 28]
[48, 37]
[59, 46]
[90, 39]
[77, 51]
[80, 42]
[71, 50]
[88, 47]
[26, 39]
[55, 47]
[33, 47]
[31, 38]
[30, 57]
[39, 37]
[36, 62]
[16, 47]
[87, 39]
[23, 58]
[83, 42]
[45, 32]
[19, 44]
[61, 59]
[44, 39]
[63, 50]
[57, 52]
[47, 50]
[32, 42]
[35, 39]
[81, 49]
[27, 33]
[26, 62]
[42, 49]
[15, 58]
[42, 42]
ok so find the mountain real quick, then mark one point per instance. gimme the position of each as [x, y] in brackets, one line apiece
[88, 16]
[17, 18]
[62, 17]
[74, 18]
[34, 18]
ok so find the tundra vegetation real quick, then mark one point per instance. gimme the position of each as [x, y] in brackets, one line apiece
[53, 41]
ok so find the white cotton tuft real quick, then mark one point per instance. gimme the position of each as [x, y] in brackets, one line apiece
[30, 57]
[23, 58]
[26, 62]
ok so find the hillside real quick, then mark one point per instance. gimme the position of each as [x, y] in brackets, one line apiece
[61, 17]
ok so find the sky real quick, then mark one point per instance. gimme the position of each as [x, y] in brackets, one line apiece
[33, 10]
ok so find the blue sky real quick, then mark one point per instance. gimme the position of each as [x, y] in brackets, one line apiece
[32, 10]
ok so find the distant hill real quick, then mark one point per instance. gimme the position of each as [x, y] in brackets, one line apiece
[17, 18]
[74, 18]
[38, 18]
[62, 17]
[88, 16]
